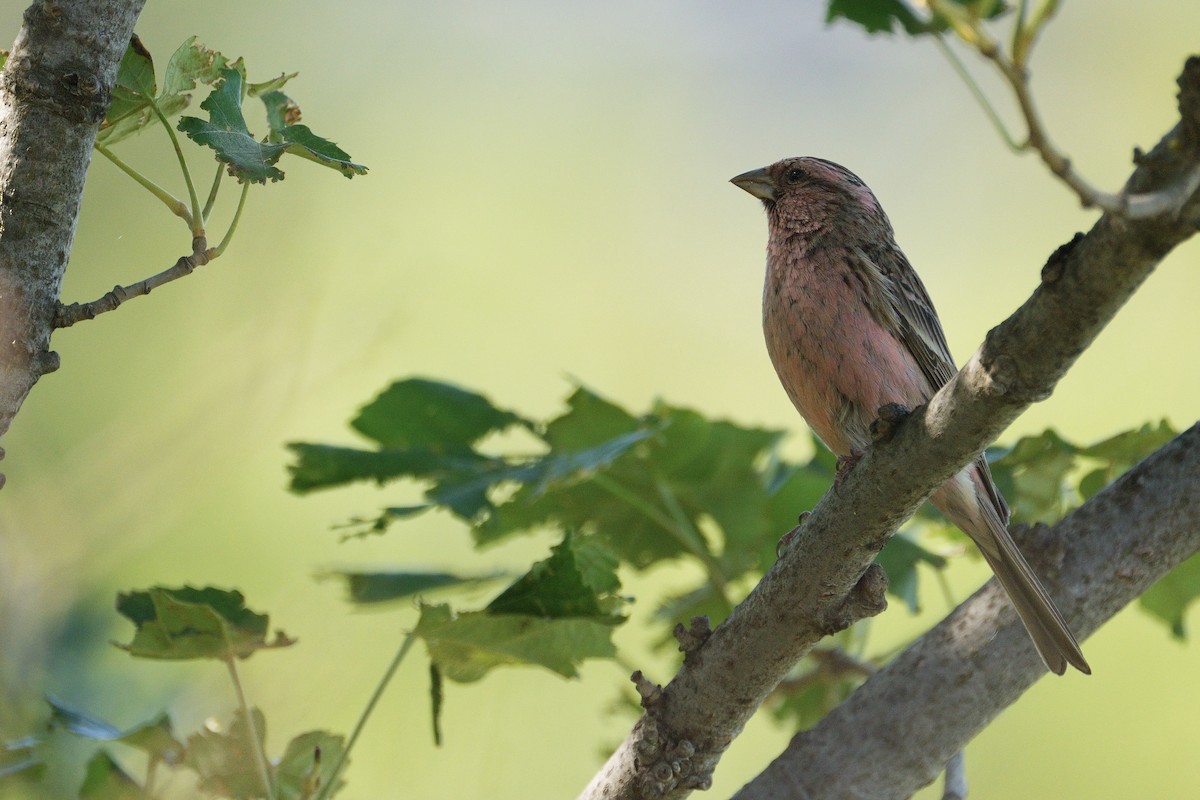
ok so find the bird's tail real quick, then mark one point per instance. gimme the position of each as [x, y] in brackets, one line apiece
[971, 502]
[1054, 641]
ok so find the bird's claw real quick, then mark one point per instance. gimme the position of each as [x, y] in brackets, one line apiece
[845, 464]
[785, 541]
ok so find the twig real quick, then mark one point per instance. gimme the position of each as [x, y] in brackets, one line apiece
[256, 743]
[330, 784]
[67, 315]
[955, 787]
[1167, 200]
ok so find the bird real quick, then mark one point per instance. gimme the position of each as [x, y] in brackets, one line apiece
[850, 328]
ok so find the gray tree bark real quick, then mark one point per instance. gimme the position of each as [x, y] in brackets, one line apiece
[825, 581]
[54, 92]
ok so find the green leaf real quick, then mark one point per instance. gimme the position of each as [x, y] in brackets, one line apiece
[380, 587]
[882, 16]
[134, 97]
[899, 559]
[465, 647]
[301, 141]
[105, 780]
[273, 85]
[1032, 477]
[1170, 597]
[579, 579]
[189, 623]
[225, 761]
[1121, 452]
[307, 765]
[418, 412]
[155, 736]
[282, 111]
[877, 16]
[226, 132]
[320, 466]
[589, 420]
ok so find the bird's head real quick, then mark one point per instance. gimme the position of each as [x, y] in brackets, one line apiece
[808, 188]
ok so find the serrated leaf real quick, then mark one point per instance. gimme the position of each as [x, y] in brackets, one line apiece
[307, 764]
[589, 420]
[1170, 598]
[877, 16]
[467, 646]
[189, 623]
[380, 587]
[152, 736]
[579, 579]
[301, 141]
[225, 131]
[225, 761]
[105, 780]
[320, 466]
[131, 111]
[418, 412]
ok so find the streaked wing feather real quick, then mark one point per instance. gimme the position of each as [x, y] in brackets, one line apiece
[911, 316]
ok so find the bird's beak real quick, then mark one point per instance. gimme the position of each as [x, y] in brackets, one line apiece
[757, 182]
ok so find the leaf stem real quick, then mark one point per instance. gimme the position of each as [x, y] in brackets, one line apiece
[177, 206]
[338, 765]
[212, 193]
[237, 215]
[256, 743]
[197, 212]
[977, 92]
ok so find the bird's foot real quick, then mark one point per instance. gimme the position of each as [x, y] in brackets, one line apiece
[845, 464]
[785, 541]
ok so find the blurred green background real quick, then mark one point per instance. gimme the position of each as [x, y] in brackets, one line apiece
[548, 199]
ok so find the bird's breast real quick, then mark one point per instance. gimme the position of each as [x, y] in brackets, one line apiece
[838, 363]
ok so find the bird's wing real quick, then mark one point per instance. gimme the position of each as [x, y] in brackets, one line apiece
[905, 309]
[903, 306]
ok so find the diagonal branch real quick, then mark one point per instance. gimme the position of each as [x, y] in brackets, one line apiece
[891, 736]
[67, 315]
[825, 581]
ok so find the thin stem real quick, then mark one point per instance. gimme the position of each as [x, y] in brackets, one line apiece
[256, 743]
[151, 771]
[338, 765]
[685, 535]
[197, 212]
[177, 206]
[237, 215]
[977, 92]
[212, 193]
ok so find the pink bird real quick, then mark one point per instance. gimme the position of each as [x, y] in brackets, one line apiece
[850, 328]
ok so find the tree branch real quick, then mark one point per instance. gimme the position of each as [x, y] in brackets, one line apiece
[67, 315]
[54, 91]
[825, 580]
[892, 736]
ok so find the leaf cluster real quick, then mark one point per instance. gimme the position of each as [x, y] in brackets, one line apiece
[642, 490]
[187, 623]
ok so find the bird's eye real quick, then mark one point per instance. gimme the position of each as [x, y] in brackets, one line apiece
[795, 175]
